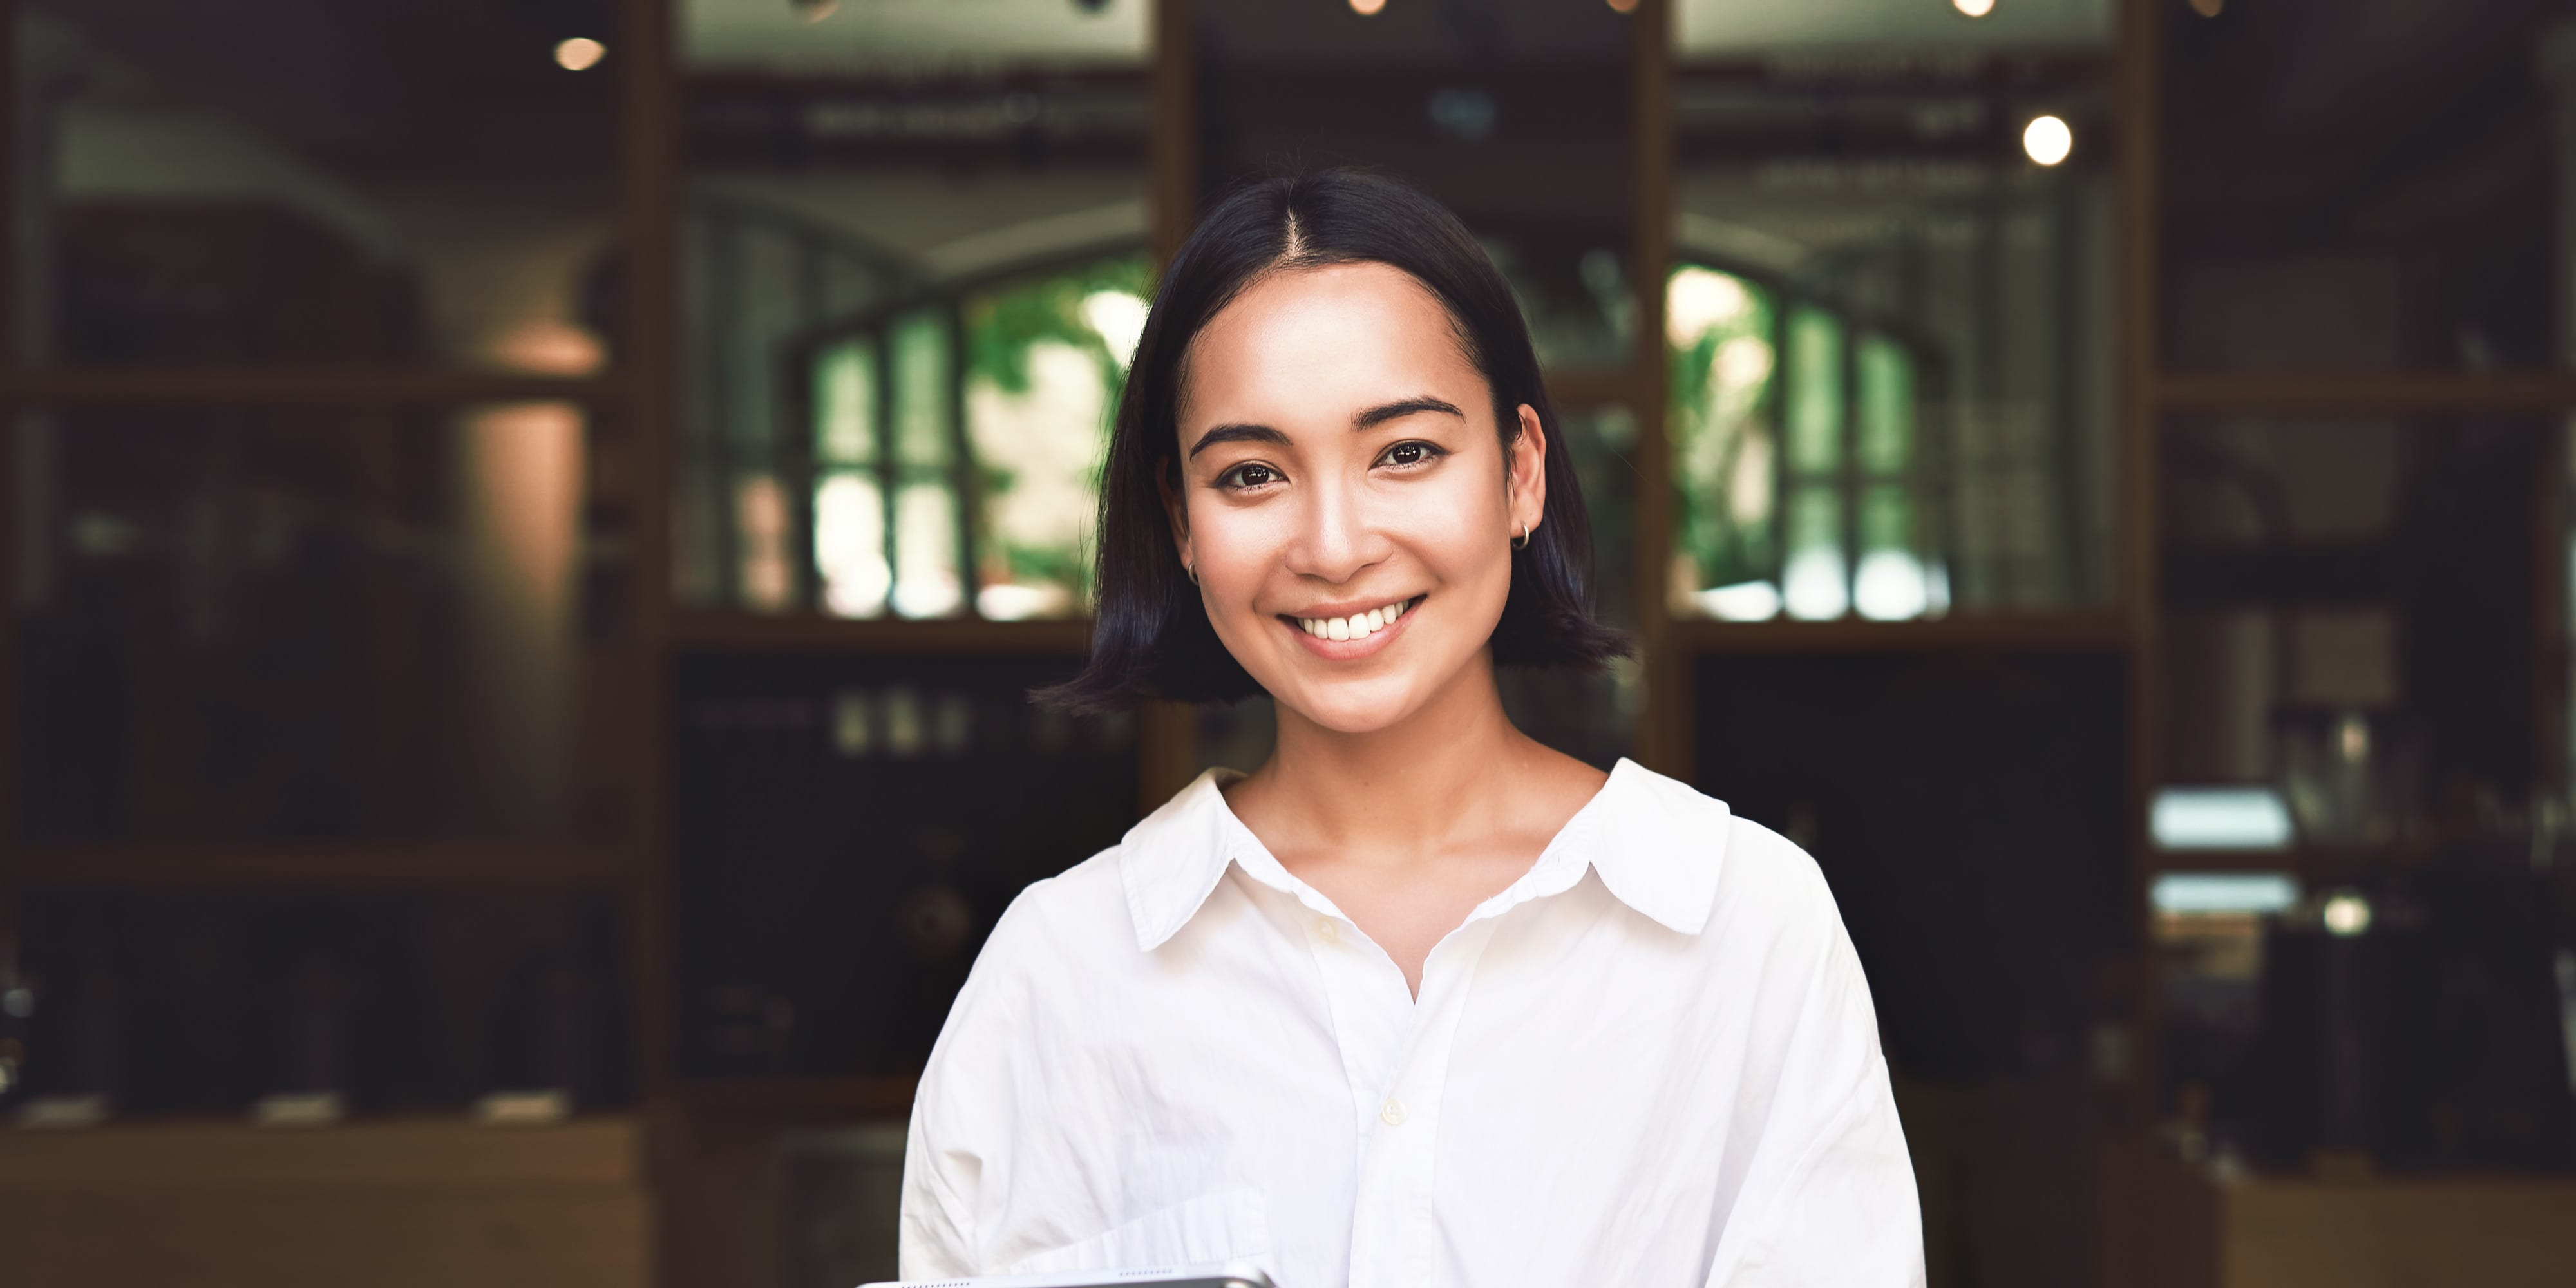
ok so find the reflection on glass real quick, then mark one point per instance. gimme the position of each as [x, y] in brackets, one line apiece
[1048, 360]
[1858, 535]
[1815, 392]
[1719, 326]
[850, 545]
[1813, 579]
[1890, 583]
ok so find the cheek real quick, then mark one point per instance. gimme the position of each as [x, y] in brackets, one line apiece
[1236, 549]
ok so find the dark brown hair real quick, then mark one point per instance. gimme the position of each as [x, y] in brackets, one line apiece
[1151, 638]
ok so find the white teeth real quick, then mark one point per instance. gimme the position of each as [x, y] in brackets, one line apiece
[1357, 626]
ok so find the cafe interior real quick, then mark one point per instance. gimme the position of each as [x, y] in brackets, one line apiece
[530, 525]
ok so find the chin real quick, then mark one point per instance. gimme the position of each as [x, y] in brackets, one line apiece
[1354, 706]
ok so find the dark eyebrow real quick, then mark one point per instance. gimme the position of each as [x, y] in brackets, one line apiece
[1237, 434]
[1370, 419]
[1379, 415]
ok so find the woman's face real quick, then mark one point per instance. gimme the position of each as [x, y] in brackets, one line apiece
[1343, 496]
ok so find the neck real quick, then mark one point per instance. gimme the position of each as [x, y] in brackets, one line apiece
[1408, 784]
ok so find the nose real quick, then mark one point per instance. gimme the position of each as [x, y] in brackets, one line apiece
[1338, 536]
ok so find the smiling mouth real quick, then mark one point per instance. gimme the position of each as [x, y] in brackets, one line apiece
[1357, 626]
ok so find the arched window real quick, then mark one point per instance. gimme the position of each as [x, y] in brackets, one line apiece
[957, 441]
[1802, 464]
[873, 439]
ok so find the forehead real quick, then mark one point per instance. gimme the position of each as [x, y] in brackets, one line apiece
[1324, 342]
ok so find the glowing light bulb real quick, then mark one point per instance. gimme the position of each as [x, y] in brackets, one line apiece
[2047, 140]
[581, 53]
[1974, 8]
[2347, 914]
[2208, 8]
[1623, 6]
[1366, 7]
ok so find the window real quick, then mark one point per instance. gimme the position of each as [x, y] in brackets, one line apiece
[1801, 483]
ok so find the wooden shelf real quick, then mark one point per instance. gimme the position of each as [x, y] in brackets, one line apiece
[2368, 391]
[351, 865]
[258, 387]
[406, 1151]
[884, 1097]
[2103, 632]
[735, 632]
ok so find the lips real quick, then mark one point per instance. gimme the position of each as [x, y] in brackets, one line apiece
[1357, 626]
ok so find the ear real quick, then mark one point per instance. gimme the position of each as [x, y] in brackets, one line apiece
[1176, 507]
[1525, 485]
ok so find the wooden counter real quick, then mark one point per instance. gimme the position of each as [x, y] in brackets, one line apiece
[402, 1204]
[2469, 1231]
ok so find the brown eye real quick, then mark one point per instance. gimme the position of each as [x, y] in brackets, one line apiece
[1249, 475]
[1408, 454]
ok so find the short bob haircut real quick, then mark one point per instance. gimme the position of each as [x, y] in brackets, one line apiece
[1151, 638]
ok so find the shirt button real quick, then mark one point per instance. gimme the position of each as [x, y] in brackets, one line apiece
[1325, 930]
[1393, 1114]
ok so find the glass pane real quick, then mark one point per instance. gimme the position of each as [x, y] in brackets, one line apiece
[257, 184]
[1886, 392]
[1893, 580]
[2342, 193]
[300, 624]
[1048, 360]
[1815, 390]
[928, 576]
[1815, 579]
[1725, 449]
[1516, 114]
[846, 390]
[884, 201]
[923, 393]
[1947, 294]
[850, 545]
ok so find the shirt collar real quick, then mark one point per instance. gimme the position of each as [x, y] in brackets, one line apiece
[1656, 843]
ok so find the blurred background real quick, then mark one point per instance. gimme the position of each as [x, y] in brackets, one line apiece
[529, 523]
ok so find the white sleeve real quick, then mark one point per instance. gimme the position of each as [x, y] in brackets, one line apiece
[936, 1237]
[1830, 1200]
[962, 1115]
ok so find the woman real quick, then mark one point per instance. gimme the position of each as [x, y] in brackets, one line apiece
[1420, 1001]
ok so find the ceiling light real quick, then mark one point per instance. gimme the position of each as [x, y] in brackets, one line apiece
[2047, 140]
[1366, 7]
[581, 53]
[1974, 8]
[2208, 8]
[1624, 6]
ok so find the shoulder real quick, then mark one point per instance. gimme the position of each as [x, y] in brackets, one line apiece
[1758, 887]
[1060, 922]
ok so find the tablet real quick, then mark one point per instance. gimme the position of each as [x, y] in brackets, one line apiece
[1229, 1275]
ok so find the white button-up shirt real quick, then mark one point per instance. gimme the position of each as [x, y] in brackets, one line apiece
[1651, 1061]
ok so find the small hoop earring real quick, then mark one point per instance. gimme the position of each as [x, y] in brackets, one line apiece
[1522, 542]
[1193, 571]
